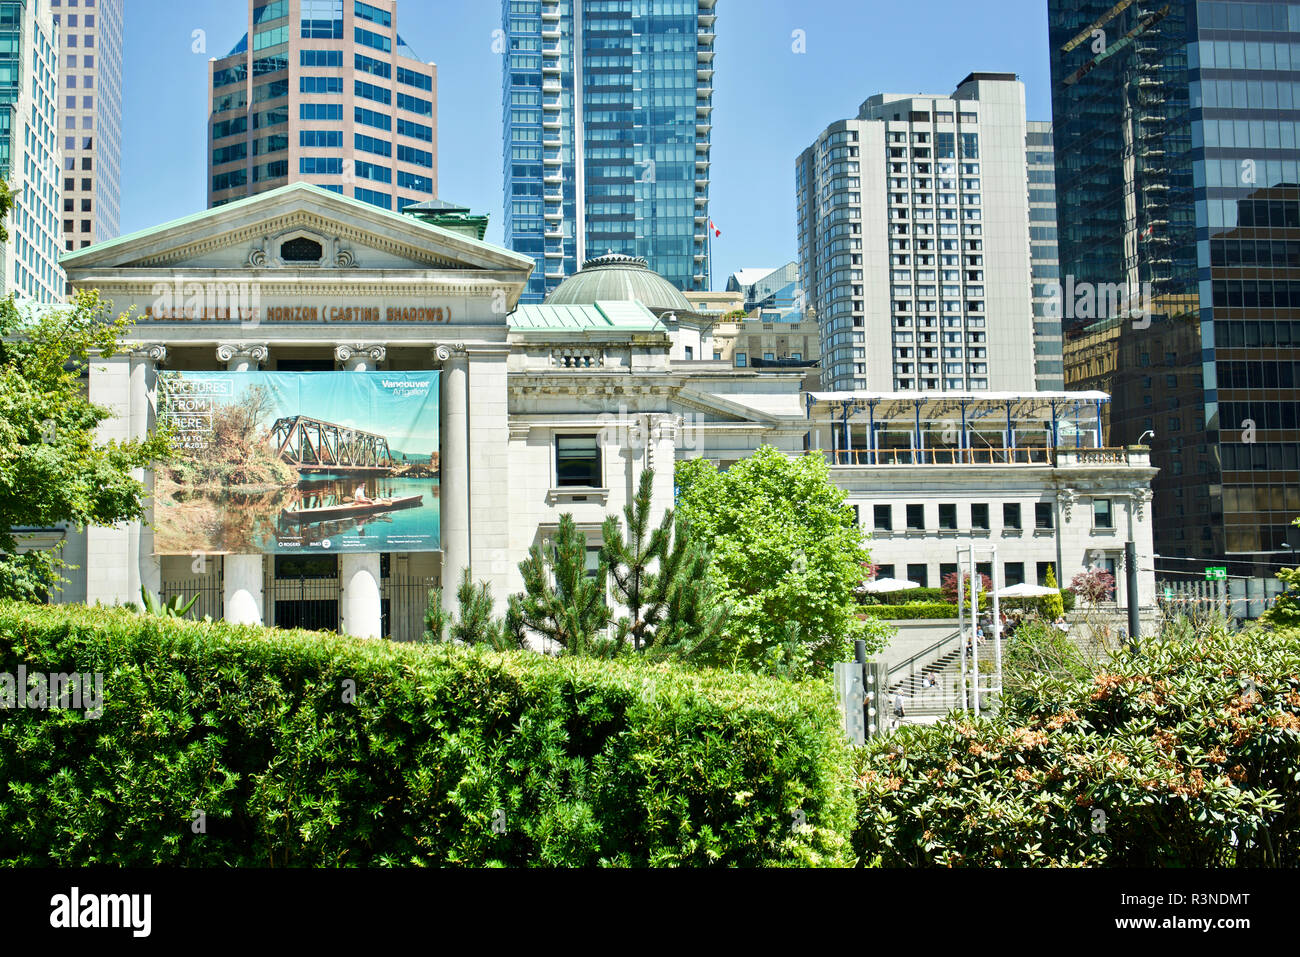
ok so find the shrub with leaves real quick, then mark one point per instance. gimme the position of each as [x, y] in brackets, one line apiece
[316, 750]
[1185, 753]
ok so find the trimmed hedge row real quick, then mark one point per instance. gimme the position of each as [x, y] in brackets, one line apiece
[248, 747]
[1184, 754]
[906, 596]
[910, 612]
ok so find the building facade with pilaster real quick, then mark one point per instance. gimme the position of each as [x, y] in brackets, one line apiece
[544, 410]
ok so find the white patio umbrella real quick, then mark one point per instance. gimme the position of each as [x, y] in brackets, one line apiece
[1026, 590]
[883, 585]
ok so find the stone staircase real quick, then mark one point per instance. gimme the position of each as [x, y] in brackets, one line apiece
[919, 702]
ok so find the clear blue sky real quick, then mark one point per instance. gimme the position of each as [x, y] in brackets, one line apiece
[770, 102]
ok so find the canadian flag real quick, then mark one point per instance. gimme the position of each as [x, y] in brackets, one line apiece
[716, 231]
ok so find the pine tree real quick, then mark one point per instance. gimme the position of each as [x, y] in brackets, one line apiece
[661, 576]
[629, 558]
[560, 602]
[475, 625]
[435, 619]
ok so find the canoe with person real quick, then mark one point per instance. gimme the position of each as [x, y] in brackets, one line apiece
[361, 505]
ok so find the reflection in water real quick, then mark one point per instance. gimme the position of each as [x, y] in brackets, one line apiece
[243, 523]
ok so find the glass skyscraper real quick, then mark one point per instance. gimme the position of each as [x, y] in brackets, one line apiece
[30, 155]
[607, 107]
[324, 92]
[1177, 127]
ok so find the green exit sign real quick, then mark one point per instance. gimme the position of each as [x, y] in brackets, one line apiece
[1216, 574]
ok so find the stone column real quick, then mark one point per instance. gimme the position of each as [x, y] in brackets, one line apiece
[455, 502]
[120, 559]
[360, 603]
[242, 575]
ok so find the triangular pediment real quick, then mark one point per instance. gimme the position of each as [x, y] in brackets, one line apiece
[294, 228]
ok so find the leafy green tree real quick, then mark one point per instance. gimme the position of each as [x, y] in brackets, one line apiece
[660, 576]
[53, 469]
[561, 602]
[785, 550]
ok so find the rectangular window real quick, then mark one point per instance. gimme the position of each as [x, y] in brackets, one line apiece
[948, 517]
[382, 200]
[421, 81]
[1101, 513]
[916, 518]
[374, 67]
[1014, 572]
[380, 174]
[380, 121]
[270, 91]
[320, 84]
[377, 93]
[1043, 515]
[263, 39]
[271, 11]
[369, 144]
[413, 104]
[742, 360]
[328, 139]
[884, 518]
[322, 19]
[1042, 572]
[577, 461]
[417, 131]
[366, 12]
[321, 58]
[919, 574]
[409, 154]
[979, 516]
[375, 41]
[320, 165]
[946, 569]
[1010, 514]
[320, 111]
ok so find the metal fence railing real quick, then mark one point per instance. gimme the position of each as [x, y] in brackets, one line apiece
[404, 603]
[313, 604]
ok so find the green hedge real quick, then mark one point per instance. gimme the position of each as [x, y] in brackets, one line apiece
[910, 612]
[906, 597]
[588, 763]
[1184, 754]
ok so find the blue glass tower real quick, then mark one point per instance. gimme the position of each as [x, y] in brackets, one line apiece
[607, 107]
[1178, 166]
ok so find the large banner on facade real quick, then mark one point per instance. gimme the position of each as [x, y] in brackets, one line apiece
[287, 463]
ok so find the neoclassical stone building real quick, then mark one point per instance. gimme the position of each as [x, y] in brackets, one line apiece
[544, 410]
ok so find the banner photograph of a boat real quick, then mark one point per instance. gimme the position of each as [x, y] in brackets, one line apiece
[280, 463]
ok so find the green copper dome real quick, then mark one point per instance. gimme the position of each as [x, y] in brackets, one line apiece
[613, 278]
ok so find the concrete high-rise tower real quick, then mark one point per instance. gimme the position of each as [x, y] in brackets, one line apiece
[914, 242]
[324, 92]
[90, 119]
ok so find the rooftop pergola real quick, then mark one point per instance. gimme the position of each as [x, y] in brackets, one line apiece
[880, 428]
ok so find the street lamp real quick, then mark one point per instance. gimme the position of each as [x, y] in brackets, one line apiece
[1144, 435]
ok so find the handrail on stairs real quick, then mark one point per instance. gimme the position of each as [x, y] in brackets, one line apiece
[910, 664]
